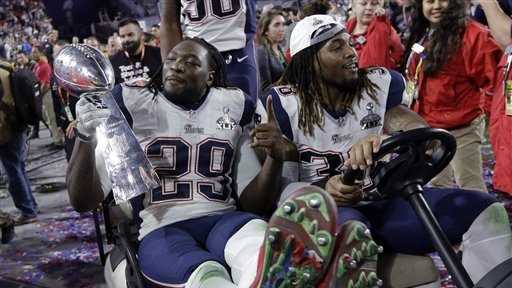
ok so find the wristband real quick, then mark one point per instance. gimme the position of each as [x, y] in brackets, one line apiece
[290, 173]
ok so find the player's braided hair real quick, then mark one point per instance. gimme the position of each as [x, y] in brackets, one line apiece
[301, 74]
[217, 62]
[444, 40]
[152, 84]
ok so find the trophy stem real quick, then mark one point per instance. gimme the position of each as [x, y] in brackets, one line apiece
[128, 168]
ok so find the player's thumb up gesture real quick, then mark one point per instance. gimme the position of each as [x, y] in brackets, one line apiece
[269, 137]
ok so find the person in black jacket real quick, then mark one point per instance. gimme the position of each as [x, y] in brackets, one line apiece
[136, 64]
[270, 56]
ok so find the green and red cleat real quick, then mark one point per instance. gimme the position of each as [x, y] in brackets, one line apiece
[299, 242]
[355, 263]
[301, 248]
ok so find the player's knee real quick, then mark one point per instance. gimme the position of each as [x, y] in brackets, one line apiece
[483, 200]
[466, 203]
[242, 249]
[251, 235]
[493, 220]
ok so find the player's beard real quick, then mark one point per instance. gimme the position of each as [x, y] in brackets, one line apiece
[131, 46]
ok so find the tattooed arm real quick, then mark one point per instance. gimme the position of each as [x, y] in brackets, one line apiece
[499, 22]
[401, 118]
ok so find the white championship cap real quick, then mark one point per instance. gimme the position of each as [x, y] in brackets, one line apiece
[312, 30]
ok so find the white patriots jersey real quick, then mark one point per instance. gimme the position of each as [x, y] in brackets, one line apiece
[226, 24]
[201, 156]
[323, 154]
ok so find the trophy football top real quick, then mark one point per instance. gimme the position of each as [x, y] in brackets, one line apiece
[80, 68]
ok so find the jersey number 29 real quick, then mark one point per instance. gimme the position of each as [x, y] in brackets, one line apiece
[212, 162]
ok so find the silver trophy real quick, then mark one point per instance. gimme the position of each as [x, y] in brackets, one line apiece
[83, 70]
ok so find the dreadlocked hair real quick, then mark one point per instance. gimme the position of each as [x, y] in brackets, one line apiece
[444, 39]
[152, 84]
[217, 62]
[300, 74]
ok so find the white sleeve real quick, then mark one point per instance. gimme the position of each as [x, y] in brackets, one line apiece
[261, 112]
[290, 173]
[247, 166]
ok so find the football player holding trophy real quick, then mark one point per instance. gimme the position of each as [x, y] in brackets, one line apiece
[84, 71]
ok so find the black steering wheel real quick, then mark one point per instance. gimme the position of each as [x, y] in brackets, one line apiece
[416, 157]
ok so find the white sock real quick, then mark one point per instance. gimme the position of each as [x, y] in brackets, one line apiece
[210, 274]
[242, 250]
[487, 243]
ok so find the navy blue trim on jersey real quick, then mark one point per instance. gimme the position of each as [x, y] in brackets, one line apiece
[281, 115]
[396, 90]
[250, 20]
[249, 109]
[117, 93]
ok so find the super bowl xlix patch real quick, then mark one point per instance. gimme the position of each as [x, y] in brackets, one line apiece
[371, 120]
[225, 122]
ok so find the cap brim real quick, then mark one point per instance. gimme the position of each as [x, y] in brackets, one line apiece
[326, 35]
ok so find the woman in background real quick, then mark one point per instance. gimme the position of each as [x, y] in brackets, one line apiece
[374, 38]
[270, 56]
[451, 70]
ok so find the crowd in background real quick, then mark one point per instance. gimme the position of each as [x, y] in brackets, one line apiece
[23, 26]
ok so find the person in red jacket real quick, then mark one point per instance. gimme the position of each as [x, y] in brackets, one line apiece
[375, 40]
[451, 71]
[500, 125]
[43, 72]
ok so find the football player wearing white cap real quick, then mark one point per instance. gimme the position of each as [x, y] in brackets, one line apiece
[336, 113]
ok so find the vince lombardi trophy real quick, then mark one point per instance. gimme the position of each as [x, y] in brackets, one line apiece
[83, 70]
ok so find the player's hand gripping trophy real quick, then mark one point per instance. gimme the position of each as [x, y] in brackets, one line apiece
[84, 71]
